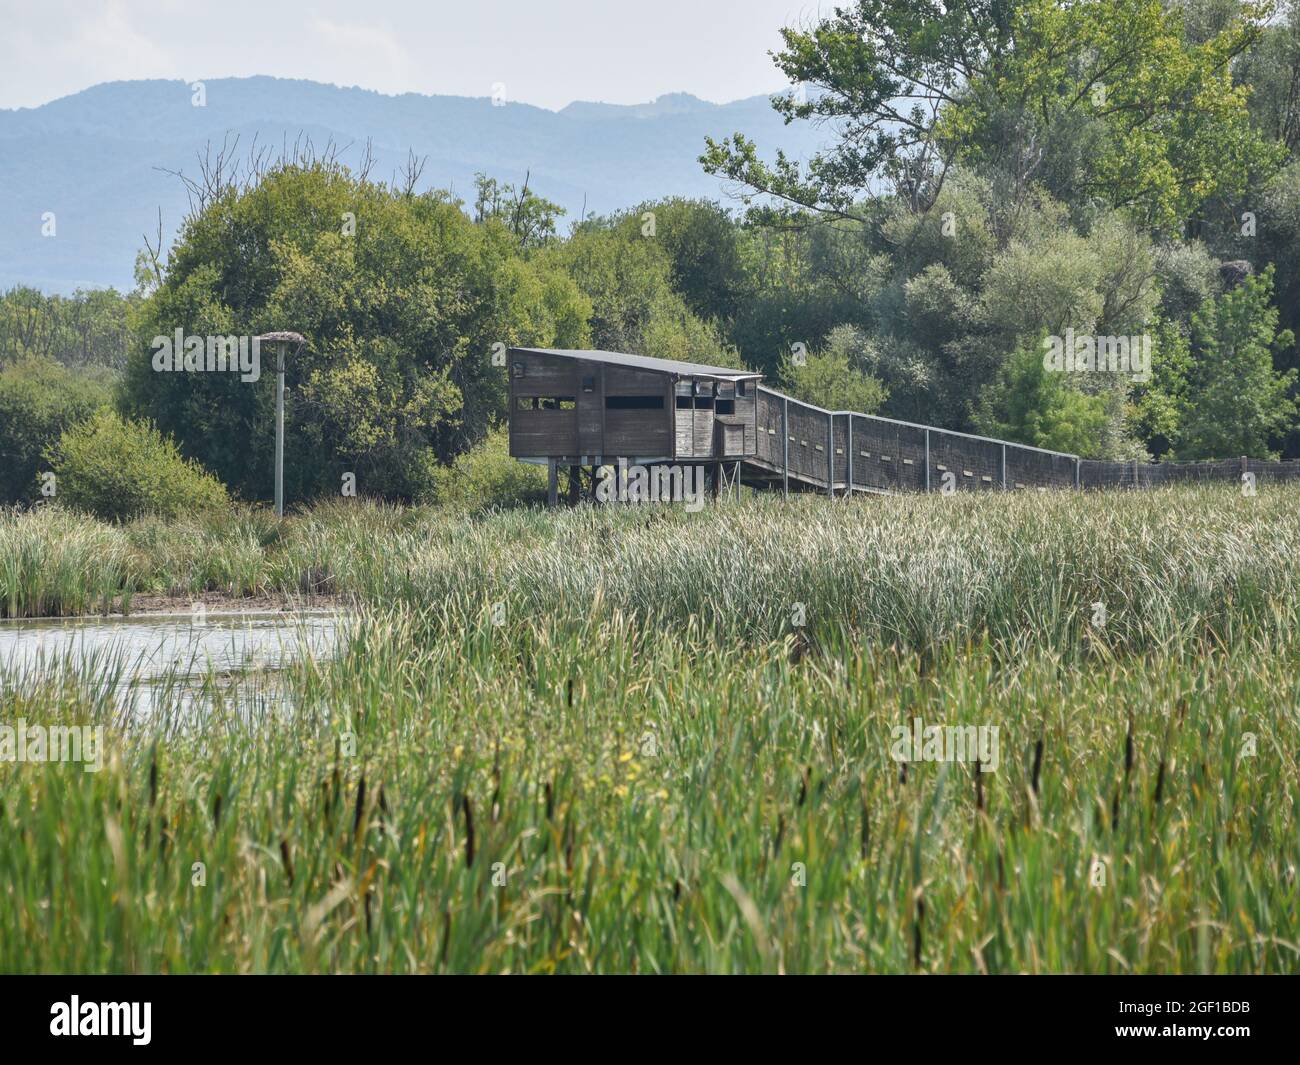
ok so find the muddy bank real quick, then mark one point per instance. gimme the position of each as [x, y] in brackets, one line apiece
[219, 602]
[224, 604]
[149, 604]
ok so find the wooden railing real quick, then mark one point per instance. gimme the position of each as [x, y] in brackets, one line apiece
[809, 447]
[842, 451]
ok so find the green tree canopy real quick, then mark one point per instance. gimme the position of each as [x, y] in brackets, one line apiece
[836, 377]
[625, 270]
[401, 298]
[1041, 408]
[88, 328]
[39, 400]
[1239, 404]
[1101, 100]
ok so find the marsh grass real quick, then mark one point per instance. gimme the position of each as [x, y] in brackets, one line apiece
[53, 562]
[645, 802]
[646, 767]
[1171, 567]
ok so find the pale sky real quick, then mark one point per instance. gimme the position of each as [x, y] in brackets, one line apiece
[545, 52]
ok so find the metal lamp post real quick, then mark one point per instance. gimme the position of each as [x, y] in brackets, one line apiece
[281, 342]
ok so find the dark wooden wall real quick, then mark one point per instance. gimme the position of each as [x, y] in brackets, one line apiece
[638, 432]
[592, 428]
[538, 433]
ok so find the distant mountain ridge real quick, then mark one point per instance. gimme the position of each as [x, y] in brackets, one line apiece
[96, 159]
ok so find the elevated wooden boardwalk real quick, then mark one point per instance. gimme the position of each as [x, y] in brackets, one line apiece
[584, 410]
[803, 447]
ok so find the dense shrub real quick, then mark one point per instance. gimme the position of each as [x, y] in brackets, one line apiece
[487, 476]
[835, 378]
[39, 399]
[117, 469]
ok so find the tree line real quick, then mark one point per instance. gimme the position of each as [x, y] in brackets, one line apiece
[1000, 177]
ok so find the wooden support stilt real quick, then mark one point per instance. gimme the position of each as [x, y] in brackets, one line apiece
[552, 482]
[830, 454]
[785, 446]
[848, 491]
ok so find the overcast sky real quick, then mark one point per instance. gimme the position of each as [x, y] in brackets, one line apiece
[545, 52]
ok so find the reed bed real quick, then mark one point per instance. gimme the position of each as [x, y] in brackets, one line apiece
[641, 763]
[630, 799]
[1169, 567]
[54, 563]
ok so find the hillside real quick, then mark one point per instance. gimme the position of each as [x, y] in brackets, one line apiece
[98, 159]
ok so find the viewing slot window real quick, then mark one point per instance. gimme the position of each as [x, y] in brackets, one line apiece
[546, 403]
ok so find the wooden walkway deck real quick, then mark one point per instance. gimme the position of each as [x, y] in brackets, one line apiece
[803, 447]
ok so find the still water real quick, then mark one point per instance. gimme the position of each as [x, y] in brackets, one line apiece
[155, 658]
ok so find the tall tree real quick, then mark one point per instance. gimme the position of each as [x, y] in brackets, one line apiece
[401, 298]
[1102, 100]
[1239, 404]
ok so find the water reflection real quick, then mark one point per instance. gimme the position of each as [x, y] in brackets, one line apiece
[172, 660]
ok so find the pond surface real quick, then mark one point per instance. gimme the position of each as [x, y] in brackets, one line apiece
[150, 657]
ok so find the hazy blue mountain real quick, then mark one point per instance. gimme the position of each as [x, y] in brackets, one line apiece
[97, 159]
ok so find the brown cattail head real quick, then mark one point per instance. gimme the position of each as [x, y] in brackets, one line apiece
[360, 807]
[1128, 749]
[469, 829]
[286, 859]
[916, 930]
